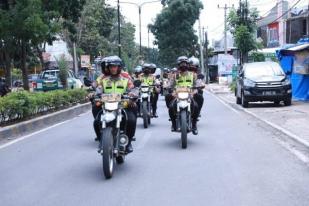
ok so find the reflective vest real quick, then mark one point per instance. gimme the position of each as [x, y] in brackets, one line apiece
[147, 80]
[185, 80]
[119, 86]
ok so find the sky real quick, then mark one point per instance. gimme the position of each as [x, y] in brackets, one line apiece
[212, 18]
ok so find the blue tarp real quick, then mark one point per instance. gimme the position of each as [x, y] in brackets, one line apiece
[300, 82]
[300, 86]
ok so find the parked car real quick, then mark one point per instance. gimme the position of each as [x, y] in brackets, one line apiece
[262, 81]
[18, 83]
[33, 77]
[49, 80]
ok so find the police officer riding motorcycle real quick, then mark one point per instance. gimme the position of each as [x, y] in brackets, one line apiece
[116, 82]
[182, 84]
[148, 79]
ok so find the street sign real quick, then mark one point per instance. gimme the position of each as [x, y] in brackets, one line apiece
[85, 61]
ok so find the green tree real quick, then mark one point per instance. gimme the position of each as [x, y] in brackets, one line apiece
[243, 24]
[31, 30]
[245, 41]
[39, 21]
[63, 71]
[97, 33]
[94, 27]
[7, 43]
[173, 29]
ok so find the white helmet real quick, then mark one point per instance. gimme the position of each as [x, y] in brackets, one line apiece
[193, 61]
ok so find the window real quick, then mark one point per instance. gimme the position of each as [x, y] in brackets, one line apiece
[304, 32]
[273, 34]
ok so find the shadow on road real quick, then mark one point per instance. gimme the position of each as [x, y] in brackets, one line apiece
[173, 141]
[264, 104]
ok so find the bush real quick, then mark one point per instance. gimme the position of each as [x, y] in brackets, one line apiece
[233, 86]
[22, 105]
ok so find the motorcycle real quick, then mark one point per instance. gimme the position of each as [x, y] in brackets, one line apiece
[165, 87]
[145, 104]
[113, 140]
[183, 117]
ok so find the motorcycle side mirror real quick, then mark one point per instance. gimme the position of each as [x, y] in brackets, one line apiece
[87, 82]
[137, 83]
[200, 76]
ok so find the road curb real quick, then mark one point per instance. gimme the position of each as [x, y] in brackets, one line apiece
[274, 126]
[26, 127]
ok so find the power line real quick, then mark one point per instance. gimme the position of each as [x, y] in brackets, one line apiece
[218, 27]
[266, 13]
[260, 3]
[286, 12]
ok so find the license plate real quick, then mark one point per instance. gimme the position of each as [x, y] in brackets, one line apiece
[269, 93]
[49, 84]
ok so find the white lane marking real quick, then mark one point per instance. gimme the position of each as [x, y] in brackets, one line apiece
[144, 139]
[295, 152]
[83, 114]
[38, 132]
[224, 103]
[290, 134]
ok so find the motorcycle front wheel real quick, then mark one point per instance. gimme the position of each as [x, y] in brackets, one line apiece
[145, 113]
[108, 155]
[183, 128]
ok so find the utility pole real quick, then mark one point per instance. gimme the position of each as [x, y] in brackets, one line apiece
[225, 25]
[75, 58]
[140, 29]
[201, 47]
[206, 57]
[148, 49]
[308, 22]
[203, 36]
[119, 42]
[139, 6]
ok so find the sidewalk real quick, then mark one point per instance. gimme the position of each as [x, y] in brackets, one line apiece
[15, 131]
[292, 120]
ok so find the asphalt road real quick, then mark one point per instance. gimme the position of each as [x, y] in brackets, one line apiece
[232, 162]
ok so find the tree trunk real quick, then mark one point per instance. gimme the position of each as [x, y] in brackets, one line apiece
[245, 57]
[40, 52]
[7, 60]
[23, 65]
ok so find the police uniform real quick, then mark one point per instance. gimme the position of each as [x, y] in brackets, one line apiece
[118, 85]
[150, 81]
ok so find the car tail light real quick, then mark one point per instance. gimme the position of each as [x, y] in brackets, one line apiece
[34, 85]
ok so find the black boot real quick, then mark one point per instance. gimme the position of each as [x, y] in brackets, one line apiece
[97, 130]
[129, 147]
[154, 113]
[173, 128]
[194, 127]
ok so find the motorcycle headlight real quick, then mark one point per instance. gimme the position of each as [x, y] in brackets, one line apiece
[144, 95]
[111, 106]
[108, 117]
[286, 82]
[183, 104]
[145, 89]
[183, 95]
[249, 83]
